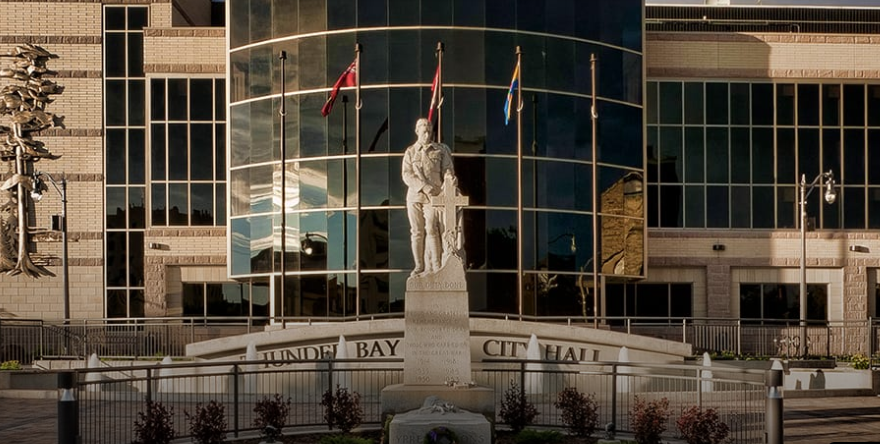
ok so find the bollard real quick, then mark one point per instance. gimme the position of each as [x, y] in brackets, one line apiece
[68, 409]
[773, 381]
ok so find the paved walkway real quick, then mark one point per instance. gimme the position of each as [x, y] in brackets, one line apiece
[807, 421]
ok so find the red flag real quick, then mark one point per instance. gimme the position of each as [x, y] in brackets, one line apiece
[348, 78]
[436, 100]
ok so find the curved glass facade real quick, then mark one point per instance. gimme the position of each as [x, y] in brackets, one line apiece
[347, 234]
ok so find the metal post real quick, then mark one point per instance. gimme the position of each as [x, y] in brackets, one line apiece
[64, 260]
[614, 393]
[282, 113]
[235, 398]
[68, 409]
[802, 317]
[774, 427]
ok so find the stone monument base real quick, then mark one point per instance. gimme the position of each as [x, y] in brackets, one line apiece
[411, 427]
[401, 398]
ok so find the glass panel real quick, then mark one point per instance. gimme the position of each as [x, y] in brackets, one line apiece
[670, 155]
[115, 103]
[762, 104]
[177, 99]
[117, 258]
[157, 152]
[680, 300]
[201, 152]
[220, 151]
[873, 105]
[854, 157]
[115, 156]
[831, 105]
[786, 207]
[116, 207]
[695, 207]
[219, 99]
[853, 207]
[137, 18]
[136, 102]
[750, 306]
[375, 181]
[717, 151]
[178, 204]
[193, 299]
[220, 199]
[762, 155]
[201, 95]
[157, 205]
[817, 302]
[873, 208]
[651, 102]
[670, 206]
[622, 250]
[117, 304]
[137, 207]
[693, 103]
[716, 103]
[136, 259]
[137, 169]
[374, 237]
[808, 104]
[114, 18]
[717, 207]
[375, 290]
[694, 155]
[202, 203]
[873, 164]
[831, 151]
[670, 102]
[784, 104]
[178, 151]
[114, 55]
[762, 207]
[739, 104]
[740, 204]
[490, 239]
[854, 105]
[785, 157]
[135, 54]
[157, 99]
[740, 155]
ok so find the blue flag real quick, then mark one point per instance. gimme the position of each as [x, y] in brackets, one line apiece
[514, 84]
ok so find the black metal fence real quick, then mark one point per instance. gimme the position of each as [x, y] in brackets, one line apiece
[109, 399]
[27, 340]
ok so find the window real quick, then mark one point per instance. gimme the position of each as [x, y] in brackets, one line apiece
[230, 299]
[187, 152]
[671, 301]
[781, 302]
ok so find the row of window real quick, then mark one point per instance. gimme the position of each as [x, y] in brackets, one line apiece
[618, 23]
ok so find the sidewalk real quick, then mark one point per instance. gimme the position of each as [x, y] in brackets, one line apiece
[807, 420]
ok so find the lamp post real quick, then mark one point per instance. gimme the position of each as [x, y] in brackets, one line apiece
[37, 195]
[830, 197]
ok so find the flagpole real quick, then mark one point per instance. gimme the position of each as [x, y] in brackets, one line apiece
[283, 145]
[440, 48]
[519, 180]
[593, 117]
[358, 104]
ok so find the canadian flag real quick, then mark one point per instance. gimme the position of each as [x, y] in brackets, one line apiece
[348, 78]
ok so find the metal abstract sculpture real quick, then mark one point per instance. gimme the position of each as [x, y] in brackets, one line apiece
[24, 101]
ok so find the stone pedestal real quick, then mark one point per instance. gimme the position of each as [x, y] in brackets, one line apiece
[436, 328]
[409, 428]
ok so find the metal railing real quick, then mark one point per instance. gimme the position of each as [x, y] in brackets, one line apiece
[26, 340]
[109, 400]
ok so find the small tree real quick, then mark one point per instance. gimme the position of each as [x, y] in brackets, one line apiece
[702, 427]
[155, 425]
[208, 424]
[648, 420]
[516, 410]
[580, 412]
[271, 416]
[342, 409]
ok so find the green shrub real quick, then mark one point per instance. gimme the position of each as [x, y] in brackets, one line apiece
[271, 416]
[342, 409]
[344, 439]
[648, 420]
[516, 410]
[580, 412]
[155, 425]
[860, 362]
[208, 424]
[10, 365]
[531, 436]
[702, 427]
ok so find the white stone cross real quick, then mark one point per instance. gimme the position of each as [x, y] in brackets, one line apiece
[449, 200]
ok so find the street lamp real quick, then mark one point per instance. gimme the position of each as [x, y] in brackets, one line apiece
[830, 197]
[57, 224]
